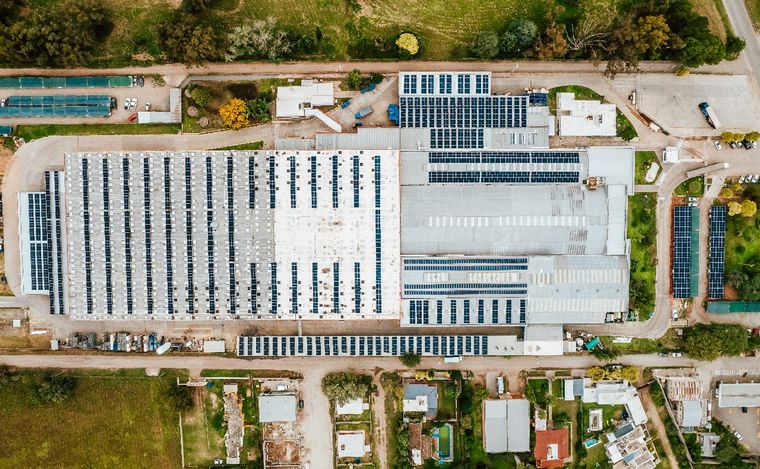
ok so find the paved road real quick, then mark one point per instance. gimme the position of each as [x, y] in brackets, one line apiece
[742, 25]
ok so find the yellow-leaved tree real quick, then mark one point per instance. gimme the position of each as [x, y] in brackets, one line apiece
[234, 113]
[409, 43]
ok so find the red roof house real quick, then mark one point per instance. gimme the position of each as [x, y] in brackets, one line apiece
[552, 448]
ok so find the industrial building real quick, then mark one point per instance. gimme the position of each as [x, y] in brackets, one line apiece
[461, 215]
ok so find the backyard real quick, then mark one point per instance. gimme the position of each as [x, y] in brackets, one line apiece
[111, 420]
[642, 231]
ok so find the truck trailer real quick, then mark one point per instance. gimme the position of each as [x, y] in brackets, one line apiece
[710, 115]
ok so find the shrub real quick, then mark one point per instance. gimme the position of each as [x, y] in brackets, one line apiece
[354, 79]
[410, 360]
[485, 45]
[55, 388]
[180, 397]
[342, 386]
[201, 96]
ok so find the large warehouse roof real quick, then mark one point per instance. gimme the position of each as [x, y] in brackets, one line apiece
[739, 395]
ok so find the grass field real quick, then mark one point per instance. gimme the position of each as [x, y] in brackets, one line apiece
[31, 132]
[110, 421]
[643, 160]
[742, 233]
[642, 231]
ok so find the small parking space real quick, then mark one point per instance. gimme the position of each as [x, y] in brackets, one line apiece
[747, 424]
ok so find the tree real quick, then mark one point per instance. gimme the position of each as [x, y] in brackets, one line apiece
[485, 45]
[195, 6]
[752, 136]
[180, 397]
[520, 36]
[376, 78]
[62, 35]
[258, 39]
[342, 387]
[734, 47]
[709, 341]
[596, 373]
[592, 29]
[726, 193]
[749, 208]
[408, 43]
[9, 10]
[234, 114]
[466, 422]
[630, 373]
[410, 360]
[54, 388]
[734, 208]
[354, 79]
[200, 95]
[727, 137]
[257, 110]
[697, 52]
[552, 44]
[605, 354]
[188, 41]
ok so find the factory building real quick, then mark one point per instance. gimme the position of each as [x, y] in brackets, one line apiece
[462, 215]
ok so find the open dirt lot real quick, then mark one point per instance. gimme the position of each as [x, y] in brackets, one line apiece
[282, 452]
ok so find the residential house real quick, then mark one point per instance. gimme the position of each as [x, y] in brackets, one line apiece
[422, 398]
[552, 448]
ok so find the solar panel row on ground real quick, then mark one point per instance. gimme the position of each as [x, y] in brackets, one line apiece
[681, 252]
[717, 251]
[59, 100]
[55, 111]
[66, 82]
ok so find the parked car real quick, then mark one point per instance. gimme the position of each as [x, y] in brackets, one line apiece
[741, 180]
[300, 403]
[147, 106]
[133, 104]
[746, 144]
[662, 354]
[744, 410]
[738, 436]
[717, 388]
[717, 145]
[676, 354]
[753, 143]
[755, 177]
[732, 145]
[127, 102]
[692, 199]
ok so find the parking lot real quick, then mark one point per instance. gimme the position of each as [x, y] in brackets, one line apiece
[747, 424]
[157, 96]
[673, 101]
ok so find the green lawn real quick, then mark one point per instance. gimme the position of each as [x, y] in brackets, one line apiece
[667, 342]
[538, 388]
[642, 231]
[446, 401]
[625, 129]
[31, 132]
[112, 420]
[643, 160]
[694, 187]
[742, 248]
[244, 146]
[753, 6]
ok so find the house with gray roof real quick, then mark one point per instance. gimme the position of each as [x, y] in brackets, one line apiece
[421, 398]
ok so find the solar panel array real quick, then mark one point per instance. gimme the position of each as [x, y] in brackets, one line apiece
[538, 99]
[57, 106]
[429, 83]
[505, 177]
[463, 112]
[59, 100]
[38, 241]
[447, 312]
[681, 252]
[717, 251]
[66, 82]
[503, 157]
[54, 209]
[387, 346]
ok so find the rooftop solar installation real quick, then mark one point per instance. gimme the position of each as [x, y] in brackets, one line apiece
[717, 251]
[66, 82]
[463, 111]
[681, 252]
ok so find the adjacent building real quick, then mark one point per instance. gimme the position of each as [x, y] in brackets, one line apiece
[552, 448]
[277, 407]
[619, 392]
[421, 398]
[739, 395]
[506, 425]
[691, 407]
[629, 448]
[585, 118]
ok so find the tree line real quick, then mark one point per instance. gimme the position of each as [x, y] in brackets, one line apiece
[621, 32]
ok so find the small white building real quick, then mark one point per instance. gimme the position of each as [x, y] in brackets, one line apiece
[277, 408]
[213, 346]
[585, 118]
[351, 444]
[351, 407]
[615, 393]
[294, 101]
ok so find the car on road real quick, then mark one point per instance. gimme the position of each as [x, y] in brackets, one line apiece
[738, 436]
[717, 145]
[692, 199]
[676, 354]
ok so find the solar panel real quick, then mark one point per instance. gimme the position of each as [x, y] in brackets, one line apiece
[681, 252]
[717, 251]
[461, 111]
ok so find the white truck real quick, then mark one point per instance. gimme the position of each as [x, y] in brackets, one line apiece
[710, 115]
